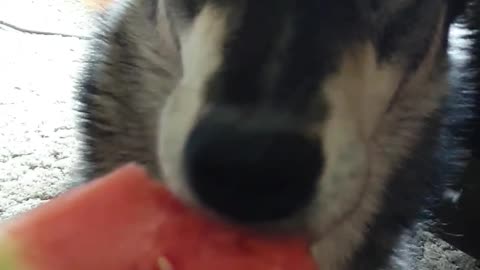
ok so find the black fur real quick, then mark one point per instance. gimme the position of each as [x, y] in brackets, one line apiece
[250, 49]
[469, 76]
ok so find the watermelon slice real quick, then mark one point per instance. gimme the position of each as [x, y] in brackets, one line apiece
[126, 221]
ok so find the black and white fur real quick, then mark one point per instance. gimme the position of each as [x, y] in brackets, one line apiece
[336, 119]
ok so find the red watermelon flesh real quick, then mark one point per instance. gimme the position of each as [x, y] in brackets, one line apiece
[126, 221]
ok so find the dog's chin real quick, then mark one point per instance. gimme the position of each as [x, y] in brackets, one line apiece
[308, 223]
[292, 225]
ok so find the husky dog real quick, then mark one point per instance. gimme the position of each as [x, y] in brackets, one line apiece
[329, 118]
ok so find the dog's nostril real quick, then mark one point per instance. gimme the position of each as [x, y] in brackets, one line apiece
[256, 174]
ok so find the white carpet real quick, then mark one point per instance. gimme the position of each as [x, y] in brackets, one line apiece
[36, 121]
[37, 143]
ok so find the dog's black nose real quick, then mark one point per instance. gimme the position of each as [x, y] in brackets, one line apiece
[252, 171]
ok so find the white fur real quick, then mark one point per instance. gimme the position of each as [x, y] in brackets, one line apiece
[201, 56]
[389, 142]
